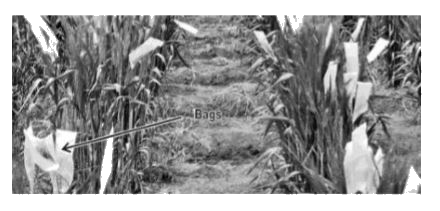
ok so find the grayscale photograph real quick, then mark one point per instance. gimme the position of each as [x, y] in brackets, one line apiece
[271, 104]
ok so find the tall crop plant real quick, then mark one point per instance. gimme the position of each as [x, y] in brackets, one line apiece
[126, 57]
[110, 75]
[403, 57]
[312, 123]
[405, 48]
[41, 72]
[26, 65]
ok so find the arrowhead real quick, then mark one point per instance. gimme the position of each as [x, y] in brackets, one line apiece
[66, 147]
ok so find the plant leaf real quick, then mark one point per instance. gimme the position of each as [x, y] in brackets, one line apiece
[63, 101]
[275, 118]
[113, 106]
[67, 72]
[31, 90]
[116, 87]
[161, 57]
[278, 107]
[282, 78]
[265, 156]
[49, 82]
[157, 71]
[153, 80]
[256, 64]
[268, 127]
[261, 37]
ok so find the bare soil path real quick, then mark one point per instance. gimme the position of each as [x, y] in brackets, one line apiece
[222, 150]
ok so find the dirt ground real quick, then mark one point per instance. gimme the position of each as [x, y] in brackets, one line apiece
[222, 151]
[217, 81]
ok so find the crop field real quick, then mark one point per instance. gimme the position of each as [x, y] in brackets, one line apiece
[257, 112]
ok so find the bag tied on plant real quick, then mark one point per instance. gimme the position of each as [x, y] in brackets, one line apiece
[106, 163]
[49, 156]
[38, 26]
[362, 170]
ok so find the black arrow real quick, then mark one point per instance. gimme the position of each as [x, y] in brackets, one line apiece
[67, 148]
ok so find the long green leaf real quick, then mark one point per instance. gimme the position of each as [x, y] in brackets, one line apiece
[283, 77]
[256, 64]
[157, 71]
[265, 156]
[31, 91]
[261, 37]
